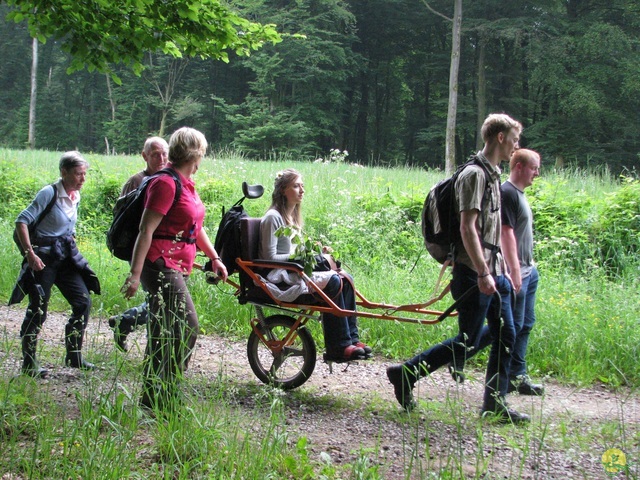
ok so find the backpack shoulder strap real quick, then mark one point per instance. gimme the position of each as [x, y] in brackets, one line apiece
[48, 208]
[176, 179]
[487, 195]
[475, 160]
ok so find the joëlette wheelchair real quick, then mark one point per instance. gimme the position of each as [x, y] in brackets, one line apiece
[281, 349]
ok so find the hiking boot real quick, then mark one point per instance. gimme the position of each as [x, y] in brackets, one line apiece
[35, 372]
[119, 338]
[398, 375]
[498, 410]
[73, 343]
[30, 366]
[75, 360]
[457, 374]
[504, 415]
[524, 386]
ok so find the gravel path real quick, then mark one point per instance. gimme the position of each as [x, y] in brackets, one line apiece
[352, 413]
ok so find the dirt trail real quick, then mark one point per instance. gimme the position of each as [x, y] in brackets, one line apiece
[353, 411]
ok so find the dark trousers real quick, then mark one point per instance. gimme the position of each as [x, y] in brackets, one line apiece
[64, 275]
[132, 318]
[473, 334]
[340, 332]
[172, 330]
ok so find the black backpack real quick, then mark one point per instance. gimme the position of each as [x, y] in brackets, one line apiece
[227, 242]
[32, 227]
[440, 223]
[127, 212]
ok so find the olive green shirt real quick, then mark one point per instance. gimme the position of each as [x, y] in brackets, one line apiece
[469, 190]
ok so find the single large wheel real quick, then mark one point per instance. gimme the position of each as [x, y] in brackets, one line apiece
[289, 367]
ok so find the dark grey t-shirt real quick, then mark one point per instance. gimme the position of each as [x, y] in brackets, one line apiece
[516, 213]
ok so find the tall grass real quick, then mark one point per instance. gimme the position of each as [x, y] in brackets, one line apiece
[587, 318]
[586, 332]
[112, 438]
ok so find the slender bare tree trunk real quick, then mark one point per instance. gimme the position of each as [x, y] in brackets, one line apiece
[482, 89]
[166, 87]
[34, 88]
[450, 141]
[163, 121]
[111, 100]
[112, 103]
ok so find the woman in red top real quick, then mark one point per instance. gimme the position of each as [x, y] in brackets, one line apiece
[162, 260]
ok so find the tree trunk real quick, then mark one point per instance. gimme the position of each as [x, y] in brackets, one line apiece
[165, 78]
[362, 120]
[34, 85]
[163, 122]
[112, 102]
[450, 146]
[482, 89]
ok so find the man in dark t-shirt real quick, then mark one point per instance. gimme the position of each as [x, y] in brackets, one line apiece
[517, 248]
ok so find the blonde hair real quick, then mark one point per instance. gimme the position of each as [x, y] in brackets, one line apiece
[496, 123]
[523, 156]
[284, 180]
[186, 145]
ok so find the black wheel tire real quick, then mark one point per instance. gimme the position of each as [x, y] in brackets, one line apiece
[293, 366]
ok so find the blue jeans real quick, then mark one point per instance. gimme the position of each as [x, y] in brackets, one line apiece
[523, 319]
[473, 335]
[340, 332]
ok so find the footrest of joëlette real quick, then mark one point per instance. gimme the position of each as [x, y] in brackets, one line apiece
[330, 360]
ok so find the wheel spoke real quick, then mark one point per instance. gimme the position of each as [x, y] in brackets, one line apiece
[278, 360]
[292, 352]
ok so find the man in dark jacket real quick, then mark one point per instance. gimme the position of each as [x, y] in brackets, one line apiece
[155, 154]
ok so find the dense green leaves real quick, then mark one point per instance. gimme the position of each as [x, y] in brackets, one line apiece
[101, 33]
[370, 77]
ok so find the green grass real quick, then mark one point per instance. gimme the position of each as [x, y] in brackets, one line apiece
[587, 317]
[586, 331]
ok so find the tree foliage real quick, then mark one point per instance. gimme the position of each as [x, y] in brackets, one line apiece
[101, 33]
[366, 76]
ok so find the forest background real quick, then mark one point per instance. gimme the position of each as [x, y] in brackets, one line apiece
[370, 77]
